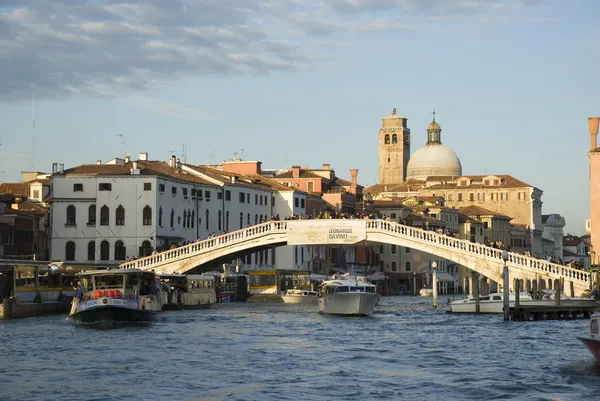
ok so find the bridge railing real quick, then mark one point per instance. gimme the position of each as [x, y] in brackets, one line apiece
[185, 251]
[534, 265]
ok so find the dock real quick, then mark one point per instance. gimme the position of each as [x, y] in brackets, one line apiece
[526, 313]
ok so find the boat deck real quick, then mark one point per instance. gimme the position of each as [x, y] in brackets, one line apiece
[525, 313]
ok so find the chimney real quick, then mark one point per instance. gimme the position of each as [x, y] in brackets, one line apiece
[295, 171]
[143, 156]
[173, 161]
[54, 168]
[134, 168]
[326, 166]
[127, 158]
[98, 161]
[593, 124]
[353, 174]
[233, 179]
[61, 167]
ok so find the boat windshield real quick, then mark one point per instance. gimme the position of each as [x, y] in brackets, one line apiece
[113, 281]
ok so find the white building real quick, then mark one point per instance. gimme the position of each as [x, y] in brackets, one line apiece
[111, 212]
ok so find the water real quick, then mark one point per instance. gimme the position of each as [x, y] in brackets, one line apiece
[255, 351]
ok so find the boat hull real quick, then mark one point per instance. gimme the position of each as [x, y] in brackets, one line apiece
[169, 307]
[348, 303]
[593, 345]
[498, 306]
[113, 314]
[300, 299]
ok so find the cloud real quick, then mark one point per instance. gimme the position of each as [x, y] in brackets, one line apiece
[107, 48]
[169, 109]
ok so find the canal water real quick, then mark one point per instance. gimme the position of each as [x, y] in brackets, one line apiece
[268, 351]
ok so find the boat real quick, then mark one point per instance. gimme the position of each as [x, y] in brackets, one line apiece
[190, 291]
[347, 295]
[120, 295]
[494, 302]
[296, 296]
[426, 292]
[592, 341]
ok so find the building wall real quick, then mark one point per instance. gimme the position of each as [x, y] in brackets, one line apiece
[393, 158]
[595, 200]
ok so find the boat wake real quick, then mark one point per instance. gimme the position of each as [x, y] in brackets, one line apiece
[109, 324]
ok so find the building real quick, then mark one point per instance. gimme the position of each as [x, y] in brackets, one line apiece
[576, 250]
[553, 231]
[394, 149]
[594, 157]
[496, 226]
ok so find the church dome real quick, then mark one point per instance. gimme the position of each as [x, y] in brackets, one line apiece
[433, 159]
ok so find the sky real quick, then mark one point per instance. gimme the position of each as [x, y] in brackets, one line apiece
[301, 82]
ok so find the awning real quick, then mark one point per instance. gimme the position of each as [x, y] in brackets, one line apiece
[445, 277]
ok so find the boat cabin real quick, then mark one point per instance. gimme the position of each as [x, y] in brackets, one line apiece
[277, 281]
[347, 283]
[595, 326]
[118, 283]
[180, 291]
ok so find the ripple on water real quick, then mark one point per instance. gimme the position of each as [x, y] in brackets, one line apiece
[267, 351]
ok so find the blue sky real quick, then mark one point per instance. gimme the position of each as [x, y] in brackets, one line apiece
[305, 82]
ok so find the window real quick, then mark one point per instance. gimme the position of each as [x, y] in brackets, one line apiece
[147, 186]
[480, 196]
[504, 196]
[200, 194]
[160, 216]
[496, 182]
[381, 248]
[247, 198]
[393, 249]
[91, 251]
[248, 218]
[161, 187]
[77, 187]
[485, 225]
[193, 192]
[387, 139]
[296, 202]
[185, 192]
[219, 195]
[120, 216]
[227, 195]
[120, 253]
[394, 266]
[255, 199]
[471, 197]
[407, 266]
[36, 193]
[207, 215]
[406, 250]
[104, 217]
[241, 220]
[105, 186]
[220, 216]
[173, 190]
[70, 251]
[394, 139]
[104, 250]
[450, 197]
[460, 197]
[146, 249]
[255, 219]
[92, 216]
[261, 200]
[172, 221]
[486, 182]
[227, 220]
[311, 186]
[207, 195]
[71, 221]
[147, 216]
[185, 219]
[272, 201]
[393, 216]
[193, 218]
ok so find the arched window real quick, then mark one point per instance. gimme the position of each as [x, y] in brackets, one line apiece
[394, 139]
[184, 219]
[227, 220]
[248, 218]
[91, 251]
[260, 218]
[70, 251]
[71, 221]
[92, 215]
[220, 216]
[104, 250]
[193, 218]
[172, 218]
[381, 249]
[387, 139]
[189, 217]
[255, 219]
[120, 216]
[104, 217]
[241, 220]
[120, 253]
[147, 215]
[160, 216]
[206, 220]
[146, 249]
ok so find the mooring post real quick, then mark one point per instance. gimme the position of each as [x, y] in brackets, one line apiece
[434, 285]
[475, 281]
[557, 292]
[517, 292]
[538, 295]
[534, 288]
[572, 285]
[506, 289]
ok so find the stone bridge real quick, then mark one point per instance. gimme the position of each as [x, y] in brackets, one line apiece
[479, 258]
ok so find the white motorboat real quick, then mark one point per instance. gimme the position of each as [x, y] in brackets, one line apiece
[296, 296]
[592, 341]
[116, 296]
[426, 292]
[190, 291]
[492, 303]
[347, 295]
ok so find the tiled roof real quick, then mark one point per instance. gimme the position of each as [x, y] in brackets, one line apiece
[379, 188]
[6, 197]
[15, 188]
[389, 204]
[303, 174]
[151, 168]
[44, 181]
[33, 207]
[480, 211]
[566, 252]
[571, 241]
[463, 218]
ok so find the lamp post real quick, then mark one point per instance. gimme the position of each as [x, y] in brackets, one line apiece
[414, 283]
[434, 283]
[506, 288]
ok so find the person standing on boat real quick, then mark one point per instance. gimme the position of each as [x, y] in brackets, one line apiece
[78, 291]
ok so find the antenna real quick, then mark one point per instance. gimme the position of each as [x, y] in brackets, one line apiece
[210, 155]
[32, 132]
[241, 151]
[285, 160]
[183, 153]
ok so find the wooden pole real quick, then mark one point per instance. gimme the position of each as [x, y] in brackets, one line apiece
[517, 292]
[506, 290]
[572, 285]
[434, 286]
[557, 292]
[475, 281]
[534, 288]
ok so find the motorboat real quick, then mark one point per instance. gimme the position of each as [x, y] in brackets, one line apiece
[123, 295]
[297, 296]
[190, 291]
[592, 340]
[426, 292]
[492, 303]
[347, 295]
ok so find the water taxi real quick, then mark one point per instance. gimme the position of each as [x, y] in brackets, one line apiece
[121, 295]
[297, 296]
[187, 291]
[347, 295]
[592, 341]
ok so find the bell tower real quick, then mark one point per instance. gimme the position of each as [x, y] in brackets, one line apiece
[394, 149]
